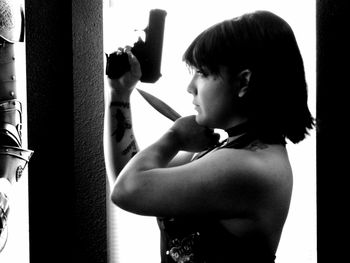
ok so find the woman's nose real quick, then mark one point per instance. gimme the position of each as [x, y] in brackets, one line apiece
[191, 88]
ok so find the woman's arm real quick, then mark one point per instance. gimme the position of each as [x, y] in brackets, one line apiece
[147, 185]
[119, 141]
[120, 144]
[225, 183]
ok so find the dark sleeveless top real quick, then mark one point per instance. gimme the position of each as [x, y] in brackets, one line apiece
[205, 240]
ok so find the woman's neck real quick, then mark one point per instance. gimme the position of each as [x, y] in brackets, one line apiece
[237, 120]
[238, 129]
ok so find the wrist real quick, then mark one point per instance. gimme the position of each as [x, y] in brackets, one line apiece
[117, 95]
[173, 140]
[117, 89]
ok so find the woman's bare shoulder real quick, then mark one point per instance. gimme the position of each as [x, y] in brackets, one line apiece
[258, 161]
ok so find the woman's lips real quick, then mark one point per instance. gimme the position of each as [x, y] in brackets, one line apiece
[196, 106]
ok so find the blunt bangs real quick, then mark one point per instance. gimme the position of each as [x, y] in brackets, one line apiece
[220, 45]
[206, 51]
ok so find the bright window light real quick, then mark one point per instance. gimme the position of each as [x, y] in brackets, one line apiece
[134, 238]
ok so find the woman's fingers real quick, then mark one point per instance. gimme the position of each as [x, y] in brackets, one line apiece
[135, 67]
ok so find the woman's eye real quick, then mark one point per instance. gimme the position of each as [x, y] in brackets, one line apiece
[201, 73]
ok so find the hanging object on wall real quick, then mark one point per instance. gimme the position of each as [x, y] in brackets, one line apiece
[13, 157]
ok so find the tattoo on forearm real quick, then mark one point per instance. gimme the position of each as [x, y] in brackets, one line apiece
[121, 104]
[134, 149]
[130, 147]
[122, 125]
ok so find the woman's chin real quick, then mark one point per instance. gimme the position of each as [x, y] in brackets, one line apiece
[200, 120]
[205, 122]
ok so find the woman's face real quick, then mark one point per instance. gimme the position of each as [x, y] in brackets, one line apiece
[214, 99]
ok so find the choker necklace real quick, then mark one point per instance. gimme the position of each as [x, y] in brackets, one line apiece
[238, 129]
[245, 135]
[244, 129]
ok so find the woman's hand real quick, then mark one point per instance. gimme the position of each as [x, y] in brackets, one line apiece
[193, 137]
[126, 83]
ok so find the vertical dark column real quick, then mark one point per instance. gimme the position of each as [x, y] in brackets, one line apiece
[88, 73]
[333, 107]
[65, 89]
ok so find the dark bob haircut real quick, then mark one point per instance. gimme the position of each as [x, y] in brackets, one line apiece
[276, 100]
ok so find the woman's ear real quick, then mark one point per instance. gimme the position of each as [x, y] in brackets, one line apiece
[244, 78]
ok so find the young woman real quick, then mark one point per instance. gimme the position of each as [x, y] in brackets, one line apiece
[217, 201]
